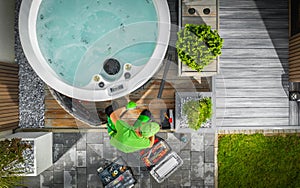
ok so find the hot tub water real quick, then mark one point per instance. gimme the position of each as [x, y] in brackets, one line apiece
[76, 37]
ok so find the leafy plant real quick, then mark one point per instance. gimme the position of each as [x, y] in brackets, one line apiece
[198, 45]
[198, 112]
[11, 155]
[258, 161]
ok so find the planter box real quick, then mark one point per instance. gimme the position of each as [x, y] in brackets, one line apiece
[199, 17]
[42, 150]
[181, 123]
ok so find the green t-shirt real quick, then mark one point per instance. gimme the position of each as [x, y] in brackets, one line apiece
[126, 139]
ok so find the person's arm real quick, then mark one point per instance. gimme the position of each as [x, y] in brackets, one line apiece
[152, 139]
[116, 114]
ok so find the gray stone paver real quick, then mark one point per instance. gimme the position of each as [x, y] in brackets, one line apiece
[58, 177]
[197, 142]
[46, 178]
[70, 179]
[58, 151]
[185, 175]
[59, 165]
[93, 181]
[70, 159]
[94, 138]
[186, 157]
[209, 139]
[209, 173]
[81, 177]
[81, 143]
[197, 184]
[58, 185]
[81, 158]
[75, 165]
[209, 154]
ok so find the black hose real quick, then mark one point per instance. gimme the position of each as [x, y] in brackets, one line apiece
[162, 84]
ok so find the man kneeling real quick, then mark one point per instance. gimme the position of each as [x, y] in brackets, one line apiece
[127, 138]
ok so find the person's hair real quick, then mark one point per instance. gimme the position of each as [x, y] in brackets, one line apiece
[149, 129]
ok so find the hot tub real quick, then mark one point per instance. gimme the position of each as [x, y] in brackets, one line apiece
[96, 51]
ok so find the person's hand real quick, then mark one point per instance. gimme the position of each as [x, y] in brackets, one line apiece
[152, 139]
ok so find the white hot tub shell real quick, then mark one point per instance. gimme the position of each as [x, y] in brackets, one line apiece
[27, 29]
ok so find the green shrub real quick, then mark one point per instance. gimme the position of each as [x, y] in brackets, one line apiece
[198, 112]
[198, 45]
[11, 154]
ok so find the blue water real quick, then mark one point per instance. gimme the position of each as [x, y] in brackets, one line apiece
[77, 36]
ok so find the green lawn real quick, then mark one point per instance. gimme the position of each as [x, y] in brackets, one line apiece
[258, 161]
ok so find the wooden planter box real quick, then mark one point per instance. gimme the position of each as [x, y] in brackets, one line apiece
[42, 149]
[199, 17]
[181, 124]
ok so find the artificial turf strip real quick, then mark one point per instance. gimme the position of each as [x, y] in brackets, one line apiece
[258, 161]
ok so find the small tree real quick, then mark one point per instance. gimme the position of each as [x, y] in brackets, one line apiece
[198, 112]
[11, 156]
[198, 45]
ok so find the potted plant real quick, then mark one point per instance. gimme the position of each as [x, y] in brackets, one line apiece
[198, 45]
[198, 112]
[11, 161]
[40, 156]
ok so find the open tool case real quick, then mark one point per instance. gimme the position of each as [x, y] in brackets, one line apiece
[116, 175]
[161, 160]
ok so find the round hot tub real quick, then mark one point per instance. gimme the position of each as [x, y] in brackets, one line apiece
[95, 50]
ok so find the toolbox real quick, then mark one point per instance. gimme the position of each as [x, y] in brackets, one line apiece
[116, 175]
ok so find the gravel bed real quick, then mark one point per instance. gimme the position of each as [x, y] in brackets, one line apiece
[31, 87]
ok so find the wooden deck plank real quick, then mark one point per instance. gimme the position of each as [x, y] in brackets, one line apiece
[252, 4]
[254, 122]
[256, 43]
[254, 53]
[252, 102]
[256, 112]
[251, 83]
[253, 24]
[254, 13]
[254, 63]
[251, 93]
[253, 33]
[252, 73]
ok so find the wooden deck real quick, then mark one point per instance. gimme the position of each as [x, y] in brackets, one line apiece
[251, 89]
[145, 97]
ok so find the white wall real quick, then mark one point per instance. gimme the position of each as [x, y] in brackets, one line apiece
[7, 38]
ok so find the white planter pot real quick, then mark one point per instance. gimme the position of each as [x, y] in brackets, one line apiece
[181, 123]
[42, 149]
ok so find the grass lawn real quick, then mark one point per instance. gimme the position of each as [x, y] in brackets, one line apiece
[258, 161]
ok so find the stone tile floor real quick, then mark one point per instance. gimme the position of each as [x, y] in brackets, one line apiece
[77, 156]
